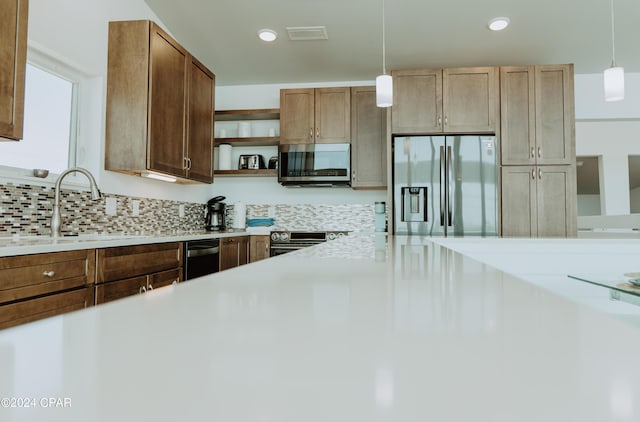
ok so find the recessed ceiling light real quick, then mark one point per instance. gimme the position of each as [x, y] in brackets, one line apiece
[498, 24]
[267, 35]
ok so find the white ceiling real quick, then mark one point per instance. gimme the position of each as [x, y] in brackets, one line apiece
[420, 33]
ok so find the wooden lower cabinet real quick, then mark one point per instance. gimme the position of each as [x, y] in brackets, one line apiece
[259, 247]
[234, 251]
[29, 310]
[539, 201]
[130, 270]
[38, 286]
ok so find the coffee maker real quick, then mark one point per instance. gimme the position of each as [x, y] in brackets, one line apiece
[214, 220]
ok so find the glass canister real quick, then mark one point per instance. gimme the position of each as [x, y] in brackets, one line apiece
[380, 209]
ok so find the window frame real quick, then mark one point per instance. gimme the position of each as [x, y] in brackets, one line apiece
[48, 61]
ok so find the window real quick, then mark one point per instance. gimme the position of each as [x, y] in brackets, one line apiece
[50, 115]
[634, 184]
[588, 181]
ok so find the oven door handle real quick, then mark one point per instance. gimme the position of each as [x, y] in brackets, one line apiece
[202, 252]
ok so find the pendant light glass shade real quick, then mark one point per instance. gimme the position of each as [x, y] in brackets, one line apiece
[384, 91]
[614, 84]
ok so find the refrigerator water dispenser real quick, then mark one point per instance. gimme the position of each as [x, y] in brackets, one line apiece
[414, 203]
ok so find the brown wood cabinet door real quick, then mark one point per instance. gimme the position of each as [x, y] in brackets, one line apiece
[228, 253]
[517, 115]
[46, 306]
[555, 131]
[200, 130]
[13, 61]
[243, 250]
[259, 247]
[519, 212]
[297, 116]
[368, 140]
[119, 289]
[165, 278]
[167, 104]
[470, 99]
[556, 201]
[130, 261]
[417, 101]
[332, 115]
[27, 276]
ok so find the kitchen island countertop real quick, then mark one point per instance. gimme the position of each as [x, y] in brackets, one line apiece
[364, 328]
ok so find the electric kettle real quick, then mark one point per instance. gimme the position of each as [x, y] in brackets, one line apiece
[214, 220]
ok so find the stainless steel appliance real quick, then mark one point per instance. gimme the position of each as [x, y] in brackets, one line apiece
[315, 165]
[202, 257]
[287, 241]
[445, 185]
[251, 162]
[214, 220]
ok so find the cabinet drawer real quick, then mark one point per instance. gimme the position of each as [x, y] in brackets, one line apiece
[27, 276]
[46, 306]
[119, 289]
[165, 278]
[131, 261]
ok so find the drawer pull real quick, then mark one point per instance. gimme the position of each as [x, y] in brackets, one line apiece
[143, 289]
[150, 287]
[49, 273]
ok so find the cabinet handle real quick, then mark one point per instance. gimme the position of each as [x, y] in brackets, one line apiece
[175, 282]
[439, 120]
[143, 289]
[353, 175]
[446, 121]
[311, 133]
[49, 273]
[533, 152]
[533, 174]
[150, 287]
[540, 173]
[317, 133]
[539, 152]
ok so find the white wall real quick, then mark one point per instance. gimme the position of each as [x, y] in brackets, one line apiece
[611, 130]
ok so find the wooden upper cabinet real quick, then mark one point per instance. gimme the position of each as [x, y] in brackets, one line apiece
[167, 103]
[13, 61]
[417, 101]
[159, 105]
[555, 134]
[458, 100]
[368, 136]
[470, 99]
[537, 115]
[297, 116]
[200, 129]
[320, 115]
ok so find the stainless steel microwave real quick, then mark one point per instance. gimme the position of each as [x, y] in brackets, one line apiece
[314, 165]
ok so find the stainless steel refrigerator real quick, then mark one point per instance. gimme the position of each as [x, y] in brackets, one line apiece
[445, 185]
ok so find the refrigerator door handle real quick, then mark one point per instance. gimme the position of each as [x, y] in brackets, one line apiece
[449, 184]
[442, 184]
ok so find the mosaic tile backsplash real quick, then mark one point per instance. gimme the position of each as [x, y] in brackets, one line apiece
[26, 210]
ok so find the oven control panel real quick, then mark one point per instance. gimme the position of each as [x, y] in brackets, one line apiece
[305, 237]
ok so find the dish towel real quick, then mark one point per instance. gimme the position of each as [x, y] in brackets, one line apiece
[257, 222]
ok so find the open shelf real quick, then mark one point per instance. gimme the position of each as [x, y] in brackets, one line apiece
[255, 173]
[255, 114]
[260, 141]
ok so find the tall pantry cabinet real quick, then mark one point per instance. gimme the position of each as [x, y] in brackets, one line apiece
[13, 61]
[538, 151]
[160, 105]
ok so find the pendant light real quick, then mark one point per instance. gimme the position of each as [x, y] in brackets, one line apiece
[614, 76]
[384, 84]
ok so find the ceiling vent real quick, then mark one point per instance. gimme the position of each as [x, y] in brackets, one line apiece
[307, 33]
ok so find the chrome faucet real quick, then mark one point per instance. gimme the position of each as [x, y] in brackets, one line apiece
[55, 218]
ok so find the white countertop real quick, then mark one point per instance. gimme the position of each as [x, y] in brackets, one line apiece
[24, 245]
[357, 329]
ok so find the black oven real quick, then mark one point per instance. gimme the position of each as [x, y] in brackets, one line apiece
[202, 257]
[286, 241]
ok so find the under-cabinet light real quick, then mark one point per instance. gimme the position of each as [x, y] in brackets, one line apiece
[157, 176]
